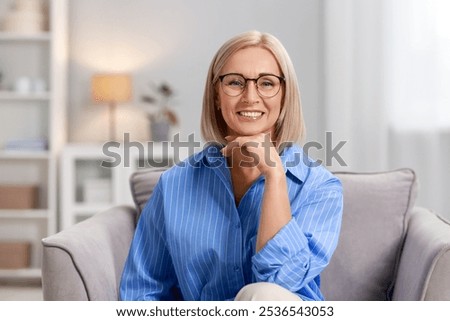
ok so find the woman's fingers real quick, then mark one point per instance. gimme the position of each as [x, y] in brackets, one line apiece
[230, 138]
[228, 149]
[240, 142]
[257, 150]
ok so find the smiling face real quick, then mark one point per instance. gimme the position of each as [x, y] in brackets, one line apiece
[248, 113]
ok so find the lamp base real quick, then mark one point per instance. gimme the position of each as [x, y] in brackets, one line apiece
[112, 121]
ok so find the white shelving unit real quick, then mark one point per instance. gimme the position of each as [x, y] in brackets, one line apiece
[81, 162]
[32, 115]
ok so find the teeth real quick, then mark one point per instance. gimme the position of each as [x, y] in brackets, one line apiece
[250, 114]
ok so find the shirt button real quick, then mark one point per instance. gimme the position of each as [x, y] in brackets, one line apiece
[236, 268]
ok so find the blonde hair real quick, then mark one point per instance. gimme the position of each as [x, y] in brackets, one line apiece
[290, 126]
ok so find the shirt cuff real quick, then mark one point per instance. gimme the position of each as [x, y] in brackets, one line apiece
[289, 244]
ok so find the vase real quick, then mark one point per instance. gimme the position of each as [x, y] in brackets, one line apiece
[160, 130]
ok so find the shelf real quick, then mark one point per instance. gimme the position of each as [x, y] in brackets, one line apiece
[33, 115]
[23, 214]
[12, 274]
[86, 209]
[12, 36]
[24, 155]
[11, 95]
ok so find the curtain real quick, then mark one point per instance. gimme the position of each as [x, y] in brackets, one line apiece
[387, 89]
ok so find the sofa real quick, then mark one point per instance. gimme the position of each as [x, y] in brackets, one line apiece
[389, 249]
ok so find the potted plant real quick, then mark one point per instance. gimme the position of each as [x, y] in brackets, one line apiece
[163, 117]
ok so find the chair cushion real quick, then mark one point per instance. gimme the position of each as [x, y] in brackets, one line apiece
[142, 183]
[376, 212]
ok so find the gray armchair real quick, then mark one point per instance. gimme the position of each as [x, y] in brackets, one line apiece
[388, 249]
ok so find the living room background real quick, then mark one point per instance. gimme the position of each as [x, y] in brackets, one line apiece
[174, 41]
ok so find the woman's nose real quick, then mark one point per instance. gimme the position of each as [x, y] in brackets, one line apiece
[251, 92]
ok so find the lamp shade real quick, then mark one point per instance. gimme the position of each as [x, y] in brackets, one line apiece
[111, 88]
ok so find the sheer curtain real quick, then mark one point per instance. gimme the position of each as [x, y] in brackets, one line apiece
[387, 89]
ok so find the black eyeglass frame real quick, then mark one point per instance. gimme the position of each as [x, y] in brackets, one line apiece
[280, 78]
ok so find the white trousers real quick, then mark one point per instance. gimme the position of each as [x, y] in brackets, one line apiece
[263, 291]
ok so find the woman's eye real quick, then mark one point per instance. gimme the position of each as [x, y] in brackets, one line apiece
[265, 84]
[235, 83]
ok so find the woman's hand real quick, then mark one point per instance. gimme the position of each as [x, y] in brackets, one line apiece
[254, 151]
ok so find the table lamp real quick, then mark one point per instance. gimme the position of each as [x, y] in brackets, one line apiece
[111, 89]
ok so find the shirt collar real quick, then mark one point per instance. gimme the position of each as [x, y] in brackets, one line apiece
[211, 155]
[295, 161]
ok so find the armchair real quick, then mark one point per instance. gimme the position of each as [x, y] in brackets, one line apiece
[388, 249]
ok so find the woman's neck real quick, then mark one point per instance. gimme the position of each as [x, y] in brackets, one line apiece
[243, 174]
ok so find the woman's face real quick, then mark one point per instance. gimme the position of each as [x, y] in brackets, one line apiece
[248, 113]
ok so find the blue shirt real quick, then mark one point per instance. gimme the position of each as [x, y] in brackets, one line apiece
[192, 239]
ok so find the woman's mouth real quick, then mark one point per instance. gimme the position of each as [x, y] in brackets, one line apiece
[251, 114]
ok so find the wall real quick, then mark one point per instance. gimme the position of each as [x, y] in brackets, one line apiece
[174, 41]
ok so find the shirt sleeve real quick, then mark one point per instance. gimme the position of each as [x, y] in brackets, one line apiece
[148, 273]
[302, 248]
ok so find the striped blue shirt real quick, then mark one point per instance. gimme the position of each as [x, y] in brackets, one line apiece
[192, 241]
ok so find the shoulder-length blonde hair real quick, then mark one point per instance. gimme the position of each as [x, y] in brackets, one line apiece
[290, 126]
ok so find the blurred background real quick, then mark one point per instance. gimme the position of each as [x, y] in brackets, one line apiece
[373, 73]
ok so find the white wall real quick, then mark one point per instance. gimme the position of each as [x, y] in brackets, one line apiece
[174, 41]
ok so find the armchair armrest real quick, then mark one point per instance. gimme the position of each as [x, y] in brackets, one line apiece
[85, 261]
[424, 269]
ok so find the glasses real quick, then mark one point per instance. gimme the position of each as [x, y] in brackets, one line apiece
[267, 85]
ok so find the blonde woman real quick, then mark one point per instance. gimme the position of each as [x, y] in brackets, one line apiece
[250, 217]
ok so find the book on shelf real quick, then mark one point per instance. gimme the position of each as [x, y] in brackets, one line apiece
[32, 144]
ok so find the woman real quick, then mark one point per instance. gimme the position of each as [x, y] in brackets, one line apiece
[250, 217]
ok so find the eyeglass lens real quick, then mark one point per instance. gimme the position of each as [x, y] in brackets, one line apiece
[235, 84]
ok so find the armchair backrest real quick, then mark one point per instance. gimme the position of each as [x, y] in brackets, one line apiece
[377, 207]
